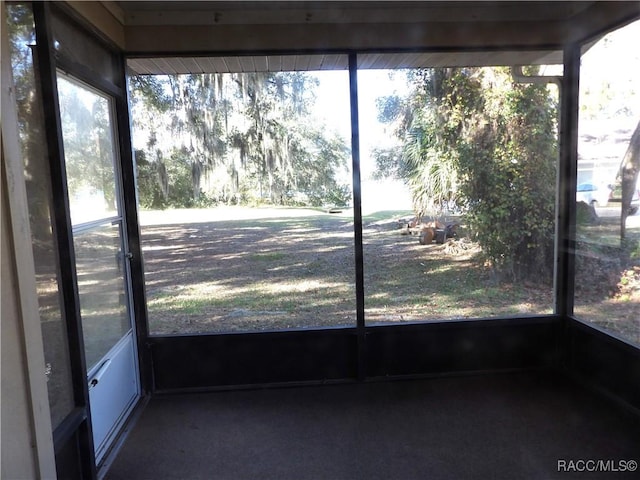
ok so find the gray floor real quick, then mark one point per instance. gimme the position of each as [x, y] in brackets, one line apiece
[510, 426]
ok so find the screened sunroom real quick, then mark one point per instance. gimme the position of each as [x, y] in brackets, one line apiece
[328, 240]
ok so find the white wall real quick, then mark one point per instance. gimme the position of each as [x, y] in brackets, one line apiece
[27, 442]
[18, 452]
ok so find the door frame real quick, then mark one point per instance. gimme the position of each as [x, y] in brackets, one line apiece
[73, 438]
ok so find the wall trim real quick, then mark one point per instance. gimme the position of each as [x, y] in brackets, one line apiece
[31, 332]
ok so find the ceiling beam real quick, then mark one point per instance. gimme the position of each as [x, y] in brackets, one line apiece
[332, 37]
[307, 13]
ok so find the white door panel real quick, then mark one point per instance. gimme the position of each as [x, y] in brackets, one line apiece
[113, 387]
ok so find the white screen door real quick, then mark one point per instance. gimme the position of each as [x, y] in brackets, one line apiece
[101, 255]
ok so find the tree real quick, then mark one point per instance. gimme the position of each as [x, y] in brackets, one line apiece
[317, 158]
[88, 143]
[429, 122]
[30, 121]
[150, 194]
[245, 138]
[629, 170]
[474, 136]
[508, 177]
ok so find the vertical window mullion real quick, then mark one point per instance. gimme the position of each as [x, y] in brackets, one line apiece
[567, 178]
[357, 214]
[132, 227]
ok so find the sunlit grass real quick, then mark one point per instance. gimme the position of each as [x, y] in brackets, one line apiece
[262, 296]
[268, 256]
[298, 271]
[388, 215]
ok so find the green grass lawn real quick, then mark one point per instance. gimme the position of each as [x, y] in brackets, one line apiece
[295, 268]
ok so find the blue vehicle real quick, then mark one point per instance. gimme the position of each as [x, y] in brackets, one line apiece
[593, 195]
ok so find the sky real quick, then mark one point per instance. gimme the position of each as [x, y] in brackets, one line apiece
[333, 107]
[609, 104]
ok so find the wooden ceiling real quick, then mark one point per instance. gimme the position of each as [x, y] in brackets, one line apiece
[228, 36]
[317, 62]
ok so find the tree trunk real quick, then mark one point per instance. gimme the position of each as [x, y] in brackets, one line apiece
[629, 169]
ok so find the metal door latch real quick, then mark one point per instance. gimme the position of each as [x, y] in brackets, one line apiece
[101, 371]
